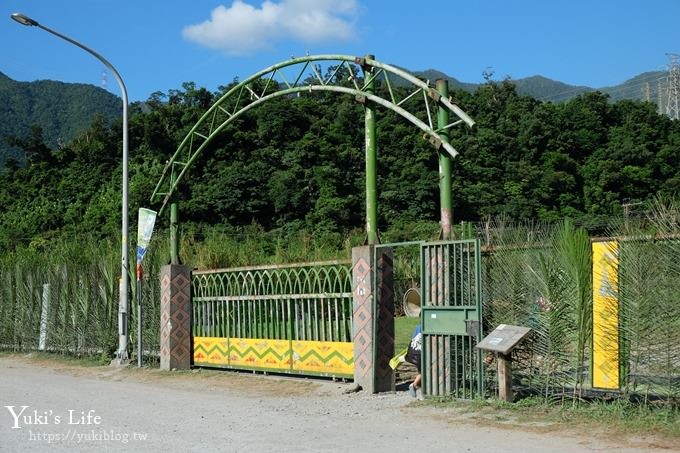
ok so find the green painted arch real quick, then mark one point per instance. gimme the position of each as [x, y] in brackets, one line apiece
[244, 98]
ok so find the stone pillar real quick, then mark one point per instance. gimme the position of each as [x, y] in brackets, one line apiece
[176, 338]
[373, 318]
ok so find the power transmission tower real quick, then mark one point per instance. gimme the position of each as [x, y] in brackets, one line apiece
[647, 92]
[104, 79]
[659, 97]
[673, 105]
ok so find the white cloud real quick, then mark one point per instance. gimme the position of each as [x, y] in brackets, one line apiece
[244, 29]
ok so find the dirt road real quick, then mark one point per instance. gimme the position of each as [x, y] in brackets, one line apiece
[60, 407]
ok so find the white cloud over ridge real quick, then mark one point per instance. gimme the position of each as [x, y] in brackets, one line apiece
[243, 29]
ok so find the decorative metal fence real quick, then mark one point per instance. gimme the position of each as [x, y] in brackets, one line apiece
[294, 318]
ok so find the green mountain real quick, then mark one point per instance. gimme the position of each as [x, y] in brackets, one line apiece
[643, 86]
[639, 87]
[433, 74]
[547, 89]
[61, 110]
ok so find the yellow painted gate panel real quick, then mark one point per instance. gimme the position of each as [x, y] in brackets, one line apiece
[259, 353]
[307, 357]
[324, 357]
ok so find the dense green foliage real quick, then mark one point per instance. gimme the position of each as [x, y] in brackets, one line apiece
[296, 163]
[61, 110]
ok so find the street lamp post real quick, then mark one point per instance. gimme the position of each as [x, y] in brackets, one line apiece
[122, 354]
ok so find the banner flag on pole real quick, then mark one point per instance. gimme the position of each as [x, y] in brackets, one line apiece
[145, 224]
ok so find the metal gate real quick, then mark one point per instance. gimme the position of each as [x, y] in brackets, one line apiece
[451, 318]
[294, 318]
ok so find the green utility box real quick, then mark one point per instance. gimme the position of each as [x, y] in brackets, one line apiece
[460, 320]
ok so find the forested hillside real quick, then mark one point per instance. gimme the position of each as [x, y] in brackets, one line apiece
[60, 110]
[297, 163]
[64, 110]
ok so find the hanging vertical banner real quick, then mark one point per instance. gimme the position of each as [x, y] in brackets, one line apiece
[606, 362]
[146, 221]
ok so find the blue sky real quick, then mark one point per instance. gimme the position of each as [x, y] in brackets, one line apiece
[157, 45]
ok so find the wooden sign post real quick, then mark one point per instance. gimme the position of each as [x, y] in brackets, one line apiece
[502, 341]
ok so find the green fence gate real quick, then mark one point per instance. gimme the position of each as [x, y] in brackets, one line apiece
[451, 317]
[293, 318]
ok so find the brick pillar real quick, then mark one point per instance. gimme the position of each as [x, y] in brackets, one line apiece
[176, 339]
[373, 318]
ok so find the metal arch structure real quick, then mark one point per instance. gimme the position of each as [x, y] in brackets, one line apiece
[276, 81]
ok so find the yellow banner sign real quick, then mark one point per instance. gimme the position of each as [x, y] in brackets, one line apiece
[606, 315]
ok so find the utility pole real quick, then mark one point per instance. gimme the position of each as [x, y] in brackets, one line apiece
[673, 105]
[122, 354]
[627, 211]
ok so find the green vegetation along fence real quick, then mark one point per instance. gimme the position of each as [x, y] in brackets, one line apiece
[534, 275]
[67, 296]
[288, 318]
[650, 320]
[540, 277]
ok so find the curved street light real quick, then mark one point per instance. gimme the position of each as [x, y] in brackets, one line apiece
[122, 354]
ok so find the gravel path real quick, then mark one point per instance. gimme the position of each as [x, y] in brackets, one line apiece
[75, 408]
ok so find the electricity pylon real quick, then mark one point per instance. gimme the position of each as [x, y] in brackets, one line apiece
[673, 105]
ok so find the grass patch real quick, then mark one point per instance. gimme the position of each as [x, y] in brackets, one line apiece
[615, 417]
[625, 416]
[403, 331]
